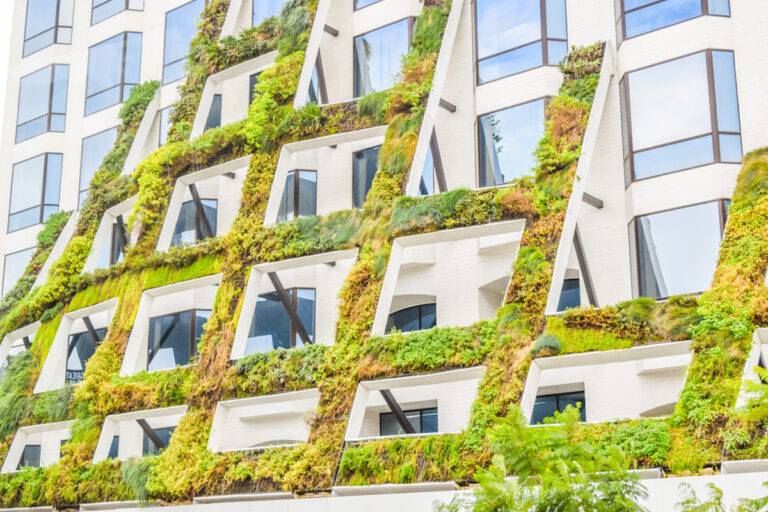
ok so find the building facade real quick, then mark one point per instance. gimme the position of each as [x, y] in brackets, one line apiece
[249, 182]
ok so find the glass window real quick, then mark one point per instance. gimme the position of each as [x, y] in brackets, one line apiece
[359, 4]
[263, 9]
[299, 195]
[14, 266]
[570, 295]
[507, 140]
[180, 28]
[30, 456]
[535, 35]
[48, 22]
[173, 338]
[117, 243]
[424, 421]
[189, 227]
[214, 114]
[253, 80]
[80, 349]
[411, 319]
[103, 9]
[365, 163]
[272, 327]
[643, 16]
[677, 250]
[672, 121]
[428, 181]
[35, 187]
[42, 102]
[317, 89]
[114, 447]
[165, 125]
[378, 55]
[545, 406]
[94, 149]
[149, 447]
[114, 68]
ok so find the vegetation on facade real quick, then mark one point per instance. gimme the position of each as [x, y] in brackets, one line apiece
[720, 322]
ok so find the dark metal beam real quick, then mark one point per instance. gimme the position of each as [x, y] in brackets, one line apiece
[123, 231]
[584, 267]
[230, 175]
[397, 411]
[288, 305]
[592, 200]
[151, 434]
[450, 107]
[26, 341]
[330, 30]
[437, 160]
[200, 212]
[89, 326]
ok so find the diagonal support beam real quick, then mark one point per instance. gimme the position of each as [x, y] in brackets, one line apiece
[202, 220]
[437, 160]
[288, 305]
[122, 230]
[94, 335]
[27, 342]
[584, 266]
[397, 411]
[151, 434]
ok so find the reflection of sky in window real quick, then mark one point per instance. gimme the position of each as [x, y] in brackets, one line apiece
[180, 27]
[15, 264]
[271, 324]
[669, 102]
[510, 137]
[378, 56]
[41, 15]
[33, 95]
[506, 24]
[95, 148]
[679, 248]
[263, 9]
[662, 14]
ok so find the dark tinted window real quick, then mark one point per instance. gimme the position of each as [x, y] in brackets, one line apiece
[173, 338]
[35, 188]
[546, 406]
[412, 319]
[570, 295]
[114, 447]
[365, 163]
[299, 195]
[272, 328]
[80, 349]
[30, 456]
[424, 421]
[149, 447]
[214, 114]
[189, 227]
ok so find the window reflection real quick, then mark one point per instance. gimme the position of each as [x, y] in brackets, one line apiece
[80, 349]
[42, 102]
[173, 338]
[263, 9]
[272, 327]
[677, 250]
[165, 125]
[180, 28]
[643, 16]
[94, 149]
[148, 447]
[424, 421]
[35, 187]
[48, 22]
[103, 9]
[114, 69]
[299, 195]
[670, 115]
[511, 43]
[570, 295]
[14, 266]
[365, 163]
[378, 55]
[507, 141]
[189, 228]
[30, 457]
[414, 318]
[545, 406]
[214, 113]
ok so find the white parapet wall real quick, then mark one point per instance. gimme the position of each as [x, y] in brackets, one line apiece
[263, 422]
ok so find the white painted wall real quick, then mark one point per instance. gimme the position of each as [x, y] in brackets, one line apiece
[49, 436]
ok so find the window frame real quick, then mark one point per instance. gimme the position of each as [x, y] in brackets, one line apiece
[296, 196]
[582, 411]
[55, 29]
[294, 296]
[411, 24]
[544, 40]
[49, 114]
[39, 448]
[634, 230]
[42, 205]
[192, 341]
[102, 2]
[625, 109]
[621, 13]
[478, 158]
[121, 84]
[420, 316]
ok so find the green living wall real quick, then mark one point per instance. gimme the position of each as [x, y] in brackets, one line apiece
[704, 429]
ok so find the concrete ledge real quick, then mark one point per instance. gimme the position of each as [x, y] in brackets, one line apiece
[732, 467]
[364, 490]
[27, 509]
[230, 498]
[113, 505]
